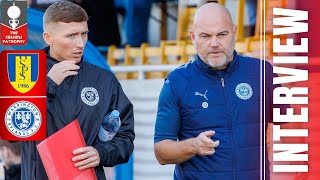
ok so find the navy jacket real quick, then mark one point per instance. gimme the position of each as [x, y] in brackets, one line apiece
[88, 97]
[196, 98]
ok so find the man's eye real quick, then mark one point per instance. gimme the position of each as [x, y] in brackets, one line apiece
[204, 36]
[84, 33]
[71, 36]
[223, 34]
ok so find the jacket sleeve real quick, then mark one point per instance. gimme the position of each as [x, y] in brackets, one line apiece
[119, 149]
[51, 88]
[168, 120]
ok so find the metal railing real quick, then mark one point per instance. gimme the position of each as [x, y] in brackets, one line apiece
[141, 69]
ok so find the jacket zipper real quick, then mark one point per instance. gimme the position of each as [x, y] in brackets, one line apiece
[222, 82]
[230, 129]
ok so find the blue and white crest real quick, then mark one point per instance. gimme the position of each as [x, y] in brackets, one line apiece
[244, 91]
[90, 96]
[23, 119]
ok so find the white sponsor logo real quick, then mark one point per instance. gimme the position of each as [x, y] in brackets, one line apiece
[205, 105]
[90, 96]
[203, 95]
[244, 91]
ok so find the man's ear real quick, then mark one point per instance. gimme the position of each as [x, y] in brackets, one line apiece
[192, 34]
[47, 37]
[235, 32]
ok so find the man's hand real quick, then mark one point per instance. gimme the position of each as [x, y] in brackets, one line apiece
[87, 157]
[61, 70]
[203, 145]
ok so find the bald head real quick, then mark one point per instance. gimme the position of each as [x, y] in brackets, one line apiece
[212, 13]
[214, 35]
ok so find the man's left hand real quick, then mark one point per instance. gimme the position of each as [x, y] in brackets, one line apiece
[86, 157]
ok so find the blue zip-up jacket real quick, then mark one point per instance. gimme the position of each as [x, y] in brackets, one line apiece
[195, 98]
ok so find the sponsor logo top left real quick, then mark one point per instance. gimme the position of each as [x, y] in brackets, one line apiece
[14, 23]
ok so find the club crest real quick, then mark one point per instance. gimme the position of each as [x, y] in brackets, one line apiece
[23, 71]
[244, 91]
[23, 119]
[90, 96]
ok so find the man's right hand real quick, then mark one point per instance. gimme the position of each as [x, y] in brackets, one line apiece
[203, 144]
[61, 70]
[169, 151]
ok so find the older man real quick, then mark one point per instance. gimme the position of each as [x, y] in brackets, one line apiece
[208, 120]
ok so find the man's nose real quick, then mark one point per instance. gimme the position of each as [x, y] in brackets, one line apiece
[80, 42]
[214, 42]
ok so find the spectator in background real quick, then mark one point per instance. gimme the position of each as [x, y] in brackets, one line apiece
[41, 5]
[103, 22]
[136, 15]
[251, 6]
[10, 154]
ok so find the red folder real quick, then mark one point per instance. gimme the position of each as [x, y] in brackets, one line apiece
[56, 154]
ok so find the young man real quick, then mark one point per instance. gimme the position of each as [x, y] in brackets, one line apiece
[10, 154]
[208, 120]
[78, 90]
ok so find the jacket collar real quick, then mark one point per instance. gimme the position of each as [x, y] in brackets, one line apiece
[52, 61]
[232, 65]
